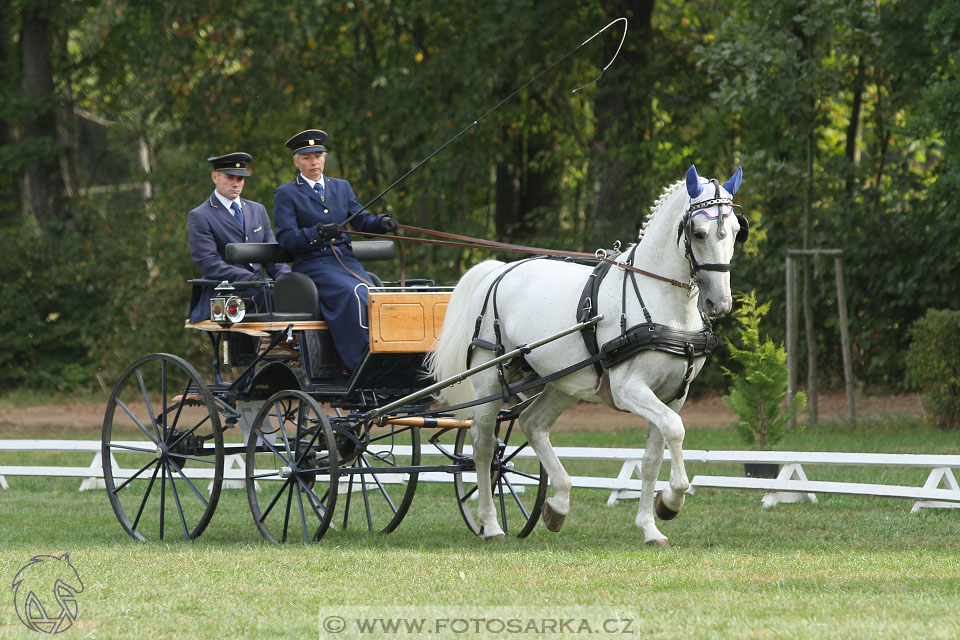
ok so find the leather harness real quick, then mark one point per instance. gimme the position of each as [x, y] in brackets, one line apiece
[646, 336]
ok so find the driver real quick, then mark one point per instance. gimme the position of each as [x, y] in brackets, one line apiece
[310, 212]
[223, 218]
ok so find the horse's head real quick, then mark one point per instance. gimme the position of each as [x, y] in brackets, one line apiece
[709, 229]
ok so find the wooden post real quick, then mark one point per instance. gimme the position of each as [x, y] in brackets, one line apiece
[809, 330]
[845, 340]
[793, 347]
[792, 343]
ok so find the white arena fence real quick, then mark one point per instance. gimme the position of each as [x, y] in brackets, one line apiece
[940, 489]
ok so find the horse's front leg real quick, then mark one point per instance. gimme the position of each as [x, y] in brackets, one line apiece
[672, 498]
[649, 472]
[639, 399]
[536, 421]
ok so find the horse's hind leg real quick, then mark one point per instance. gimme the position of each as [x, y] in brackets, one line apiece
[536, 421]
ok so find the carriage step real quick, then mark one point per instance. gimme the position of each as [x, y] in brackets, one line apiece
[190, 400]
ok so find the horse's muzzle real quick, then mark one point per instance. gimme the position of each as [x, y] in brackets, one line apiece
[716, 309]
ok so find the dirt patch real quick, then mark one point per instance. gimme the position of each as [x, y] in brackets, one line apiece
[710, 412]
[86, 419]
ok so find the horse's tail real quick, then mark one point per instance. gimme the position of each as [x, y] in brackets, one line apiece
[450, 356]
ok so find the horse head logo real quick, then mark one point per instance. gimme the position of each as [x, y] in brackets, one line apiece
[45, 593]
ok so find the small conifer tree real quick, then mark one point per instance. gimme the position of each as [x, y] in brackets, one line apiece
[758, 391]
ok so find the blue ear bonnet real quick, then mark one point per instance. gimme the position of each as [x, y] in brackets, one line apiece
[733, 183]
[694, 188]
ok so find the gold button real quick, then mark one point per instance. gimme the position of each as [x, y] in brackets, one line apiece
[310, 142]
[238, 165]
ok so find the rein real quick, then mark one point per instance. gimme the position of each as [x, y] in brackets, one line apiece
[452, 239]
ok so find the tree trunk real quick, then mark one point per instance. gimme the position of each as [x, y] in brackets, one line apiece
[10, 205]
[507, 212]
[44, 189]
[528, 186]
[621, 98]
[854, 128]
[808, 284]
[805, 54]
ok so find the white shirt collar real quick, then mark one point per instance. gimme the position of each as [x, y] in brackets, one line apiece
[310, 182]
[226, 203]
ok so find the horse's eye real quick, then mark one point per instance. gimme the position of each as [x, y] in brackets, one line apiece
[700, 234]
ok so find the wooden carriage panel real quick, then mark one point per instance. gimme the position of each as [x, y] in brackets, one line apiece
[406, 321]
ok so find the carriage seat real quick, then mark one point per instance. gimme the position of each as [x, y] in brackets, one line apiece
[295, 295]
[262, 252]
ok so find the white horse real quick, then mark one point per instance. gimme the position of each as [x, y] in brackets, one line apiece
[689, 238]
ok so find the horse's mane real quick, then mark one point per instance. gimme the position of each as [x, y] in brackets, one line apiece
[657, 205]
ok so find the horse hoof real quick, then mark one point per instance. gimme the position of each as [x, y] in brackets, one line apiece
[552, 519]
[496, 536]
[663, 544]
[663, 511]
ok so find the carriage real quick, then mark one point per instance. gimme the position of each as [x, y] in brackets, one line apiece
[316, 452]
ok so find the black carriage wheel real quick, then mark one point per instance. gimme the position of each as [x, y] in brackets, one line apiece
[380, 487]
[291, 461]
[519, 486]
[161, 418]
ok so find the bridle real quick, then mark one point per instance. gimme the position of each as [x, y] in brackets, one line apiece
[685, 229]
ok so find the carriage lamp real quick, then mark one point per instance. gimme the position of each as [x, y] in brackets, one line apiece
[218, 311]
[229, 309]
[235, 309]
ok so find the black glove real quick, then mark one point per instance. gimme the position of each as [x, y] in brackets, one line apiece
[387, 224]
[329, 231]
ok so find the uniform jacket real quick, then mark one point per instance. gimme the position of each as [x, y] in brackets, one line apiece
[210, 228]
[297, 209]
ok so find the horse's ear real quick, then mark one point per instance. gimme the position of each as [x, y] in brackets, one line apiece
[733, 183]
[694, 188]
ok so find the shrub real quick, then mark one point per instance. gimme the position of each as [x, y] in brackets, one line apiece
[757, 393]
[933, 366]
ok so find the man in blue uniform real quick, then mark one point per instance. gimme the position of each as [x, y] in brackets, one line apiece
[226, 217]
[310, 213]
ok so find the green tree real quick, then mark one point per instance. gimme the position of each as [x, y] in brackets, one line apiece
[759, 389]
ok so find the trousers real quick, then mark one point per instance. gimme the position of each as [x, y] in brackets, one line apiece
[343, 303]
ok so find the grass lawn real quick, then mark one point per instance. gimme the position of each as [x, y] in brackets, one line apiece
[847, 567]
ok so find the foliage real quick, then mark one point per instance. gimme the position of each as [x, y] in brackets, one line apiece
[843, 114]
[933, 365]
[88, 303]
[760, 388]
